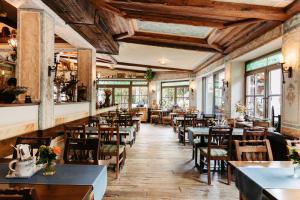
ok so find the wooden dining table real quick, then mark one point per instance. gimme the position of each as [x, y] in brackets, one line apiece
[267, 180]
[76, 182]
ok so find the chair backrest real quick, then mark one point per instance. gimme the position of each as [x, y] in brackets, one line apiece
[74, 131]
[189, 119]
[109, 135]
[81, 151]
[253, 150]
[93, 121]
[18, 194]
[254, 134]
[155, 112]
[264, 124]
[34, 142]
[124, 120]
[200, 123]
[220, 138]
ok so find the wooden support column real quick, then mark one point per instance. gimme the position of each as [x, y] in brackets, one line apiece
[87, 75]
[35, 54]
[290, 94]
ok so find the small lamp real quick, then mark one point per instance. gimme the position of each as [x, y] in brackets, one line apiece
[285, 69]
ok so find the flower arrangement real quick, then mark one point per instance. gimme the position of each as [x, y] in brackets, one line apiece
[240, 108]
[107, 92]
[294, 154]
[211, 122]
[47, 156]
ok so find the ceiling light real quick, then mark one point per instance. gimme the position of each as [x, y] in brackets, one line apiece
[163, 61]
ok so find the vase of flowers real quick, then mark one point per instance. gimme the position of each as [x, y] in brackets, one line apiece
[47, 156]
[107, 93]
[294, 154]
[240, 109]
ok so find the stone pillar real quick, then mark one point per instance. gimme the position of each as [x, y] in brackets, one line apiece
[35, 54]
[290, 91]
[87, 75]
[235, 92]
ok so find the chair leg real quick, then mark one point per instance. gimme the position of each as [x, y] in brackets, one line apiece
[208, 172]
[193, 155]
[117, 166]
[228, 174]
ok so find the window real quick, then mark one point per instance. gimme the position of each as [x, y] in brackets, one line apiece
[126, 94]
[219, 92]
[121, 97]
[139, 95]
[213, 93]
[175, 93]
[263, 89]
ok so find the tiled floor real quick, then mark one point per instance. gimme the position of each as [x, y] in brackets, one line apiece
[158, 167]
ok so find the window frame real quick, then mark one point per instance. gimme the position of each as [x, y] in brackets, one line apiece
[175, 92]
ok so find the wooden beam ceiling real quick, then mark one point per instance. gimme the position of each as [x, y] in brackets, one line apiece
[199, 8]
[172, 41]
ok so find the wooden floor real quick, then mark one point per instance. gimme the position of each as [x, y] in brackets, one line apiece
[158, 167]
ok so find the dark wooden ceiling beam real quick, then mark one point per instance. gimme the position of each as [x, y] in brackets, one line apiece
[153, 67]
[293, 8]
[203, 7]
[89, 22]
[265, 27]
[243, 22]
[105, 6]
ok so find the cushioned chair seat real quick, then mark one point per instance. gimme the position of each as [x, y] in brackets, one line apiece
[214, 152]
[110, 148]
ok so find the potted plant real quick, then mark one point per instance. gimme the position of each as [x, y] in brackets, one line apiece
[107, 93]
[149, 75]
[294, 155]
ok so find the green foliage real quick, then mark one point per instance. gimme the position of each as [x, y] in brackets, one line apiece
[149, 75]
[46, 155]
[294, 155]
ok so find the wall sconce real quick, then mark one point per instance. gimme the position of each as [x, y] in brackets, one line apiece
[285, 69]
[225, 84]
[54, 67]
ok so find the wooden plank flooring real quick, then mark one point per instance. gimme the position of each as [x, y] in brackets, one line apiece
[158, 167]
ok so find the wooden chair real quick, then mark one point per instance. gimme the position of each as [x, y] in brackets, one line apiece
[18, 194]
[167, 119]
[155, 117]
[218, 149]
[264, 124]
[34, 142]
[125, 122]
[253, 150]
[81, 151]
[110, 146]
[197, 141]
[74, 131]
[254, 134]
[231, 122]
[188, 121]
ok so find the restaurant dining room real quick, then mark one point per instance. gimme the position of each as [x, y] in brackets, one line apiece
[150, 99]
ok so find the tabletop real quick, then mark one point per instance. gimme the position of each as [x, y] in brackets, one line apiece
[255, 180]
[282, 194]
[94, 176]
[204, 131]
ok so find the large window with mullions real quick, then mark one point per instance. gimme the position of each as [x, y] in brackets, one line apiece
[126, 94]
[175, 93]
[264, 86]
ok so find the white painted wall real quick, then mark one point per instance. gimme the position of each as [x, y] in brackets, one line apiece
[61, 110]
[17, 120]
